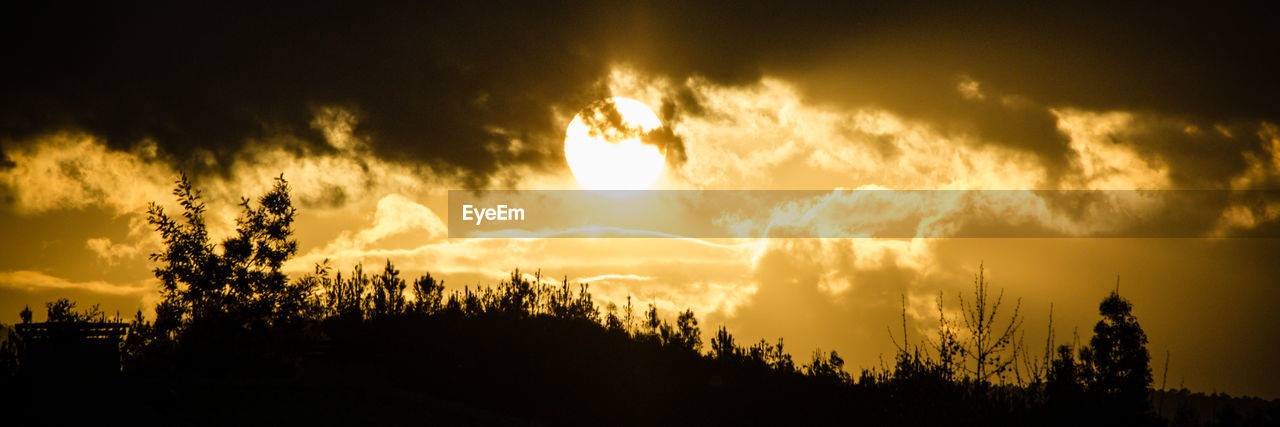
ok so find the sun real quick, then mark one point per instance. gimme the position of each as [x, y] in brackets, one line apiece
[606, 146]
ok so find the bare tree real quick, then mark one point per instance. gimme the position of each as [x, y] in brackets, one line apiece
[988, 341]
[1038, 367]
[948, 346]
[902, 348]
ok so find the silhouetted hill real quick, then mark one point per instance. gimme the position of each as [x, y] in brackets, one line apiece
[204, 401]
[528, 353]
[234, 340]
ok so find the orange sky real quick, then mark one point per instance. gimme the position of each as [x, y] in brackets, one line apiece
[929, 100]
[79, 212]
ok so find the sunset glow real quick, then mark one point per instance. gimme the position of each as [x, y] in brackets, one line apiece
[602, 160]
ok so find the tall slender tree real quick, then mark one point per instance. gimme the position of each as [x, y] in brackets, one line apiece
[989, 341]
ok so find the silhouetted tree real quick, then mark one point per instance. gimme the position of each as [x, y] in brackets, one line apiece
[343, 298]
[688, 336]
[1038, 367]
[758, 353]
[192, 279]
[651, 320]
[427, 294]
[517, 296]
[828, 367]
[9, 360]
[948, 347]
[1064, 385]
[612, 322]
[63, 310]
[388, 297]
[254, 255]
[988, 341]
[779, 359]
[1118, 356]
[243, 283]
[234, 308]
[583, 307]
[628, 316]
[138, 339]
[722, 346]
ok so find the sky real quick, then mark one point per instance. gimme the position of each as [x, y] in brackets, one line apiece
[373, 112]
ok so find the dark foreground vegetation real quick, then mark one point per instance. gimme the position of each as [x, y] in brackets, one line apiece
[234, 340]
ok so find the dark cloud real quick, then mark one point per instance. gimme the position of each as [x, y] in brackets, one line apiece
[1200, 153]
[1206, 63]
[428, 83]
[604, 120]
[450, 85]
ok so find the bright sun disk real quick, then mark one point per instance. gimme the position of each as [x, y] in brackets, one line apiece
[627, 164]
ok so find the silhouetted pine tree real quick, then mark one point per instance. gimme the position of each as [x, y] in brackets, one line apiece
[1121, 365]
[723, 348]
